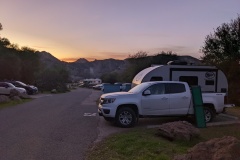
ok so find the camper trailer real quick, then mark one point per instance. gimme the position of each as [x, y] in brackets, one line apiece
[209, 78]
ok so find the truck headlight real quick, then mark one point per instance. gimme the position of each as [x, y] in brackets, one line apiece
[107, 100]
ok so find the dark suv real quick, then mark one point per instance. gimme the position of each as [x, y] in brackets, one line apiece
[29, 88]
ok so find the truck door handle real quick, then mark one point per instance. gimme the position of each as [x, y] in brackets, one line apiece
[185, 97]
[164, 98]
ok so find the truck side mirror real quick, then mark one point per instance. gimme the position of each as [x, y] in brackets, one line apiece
[147, 92]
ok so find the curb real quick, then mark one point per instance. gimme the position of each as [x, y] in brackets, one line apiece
[228, 116]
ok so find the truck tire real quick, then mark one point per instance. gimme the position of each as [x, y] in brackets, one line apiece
[125, 117]
[209, 114]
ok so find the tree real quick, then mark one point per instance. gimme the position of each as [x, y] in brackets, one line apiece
[0, 28]
[53, 78]
[222, 48]
[223, 44]
[140, 60]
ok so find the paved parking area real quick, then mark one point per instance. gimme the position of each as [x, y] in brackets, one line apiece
[223, 119]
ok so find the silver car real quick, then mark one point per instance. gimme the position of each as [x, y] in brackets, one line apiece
[5, 88]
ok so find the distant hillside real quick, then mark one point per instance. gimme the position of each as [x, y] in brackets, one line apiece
[82, 68]
[85, 69]
[49, 60]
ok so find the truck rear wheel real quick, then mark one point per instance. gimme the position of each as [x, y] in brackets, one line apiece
[209, 114]
[125, 117]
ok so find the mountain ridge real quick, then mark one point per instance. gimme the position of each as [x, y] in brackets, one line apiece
[82, 68]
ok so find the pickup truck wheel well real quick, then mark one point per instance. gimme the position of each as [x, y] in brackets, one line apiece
[209, 110]
[132, 106]
[211, 106]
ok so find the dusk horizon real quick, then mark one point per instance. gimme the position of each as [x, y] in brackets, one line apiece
[70, 30]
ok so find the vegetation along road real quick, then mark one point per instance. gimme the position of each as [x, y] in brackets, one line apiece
[58, 126]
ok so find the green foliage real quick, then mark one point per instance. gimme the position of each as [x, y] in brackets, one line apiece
[141, 60]
[110, 77]
[23, 64]
[17, 64]
[222, 48]
[232, 71]
[53, 78]
[223, 44]
[136, 63]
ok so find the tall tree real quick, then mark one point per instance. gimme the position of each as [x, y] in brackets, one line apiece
[222, 48]
[223, 44]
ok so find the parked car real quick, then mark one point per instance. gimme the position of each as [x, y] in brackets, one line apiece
[5, 88]
[29, 88]
[159, 98]
[126, 87]
[100, 86]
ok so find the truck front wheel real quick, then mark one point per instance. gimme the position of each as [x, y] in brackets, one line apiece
[125, 117]
[209, 114]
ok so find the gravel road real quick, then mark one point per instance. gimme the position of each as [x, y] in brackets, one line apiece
[58, 126]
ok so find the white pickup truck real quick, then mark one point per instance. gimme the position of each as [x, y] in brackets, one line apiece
[150, 99]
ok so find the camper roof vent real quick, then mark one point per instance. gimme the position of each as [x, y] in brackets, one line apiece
[177, 62]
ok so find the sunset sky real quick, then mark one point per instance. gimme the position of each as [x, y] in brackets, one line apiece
[100, 29]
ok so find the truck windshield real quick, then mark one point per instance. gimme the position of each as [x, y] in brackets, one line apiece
[139, 88]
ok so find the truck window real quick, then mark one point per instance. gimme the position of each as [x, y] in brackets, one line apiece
[157, 89]
[175, 88]
[191, 80]
[156, 79]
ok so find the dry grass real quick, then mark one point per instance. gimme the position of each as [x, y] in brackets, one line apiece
[235, 111]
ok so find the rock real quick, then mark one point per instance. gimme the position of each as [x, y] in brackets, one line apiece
[180, 130]
[16, 98]
[4, 99]
[225, 148]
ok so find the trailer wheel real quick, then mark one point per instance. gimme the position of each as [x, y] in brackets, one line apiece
[209, 114]
[125, 117]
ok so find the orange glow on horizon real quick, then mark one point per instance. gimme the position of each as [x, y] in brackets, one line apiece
[88, 59]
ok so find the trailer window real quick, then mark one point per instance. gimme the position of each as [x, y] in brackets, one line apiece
[191, 80]
[156, 79]
[209, 82]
